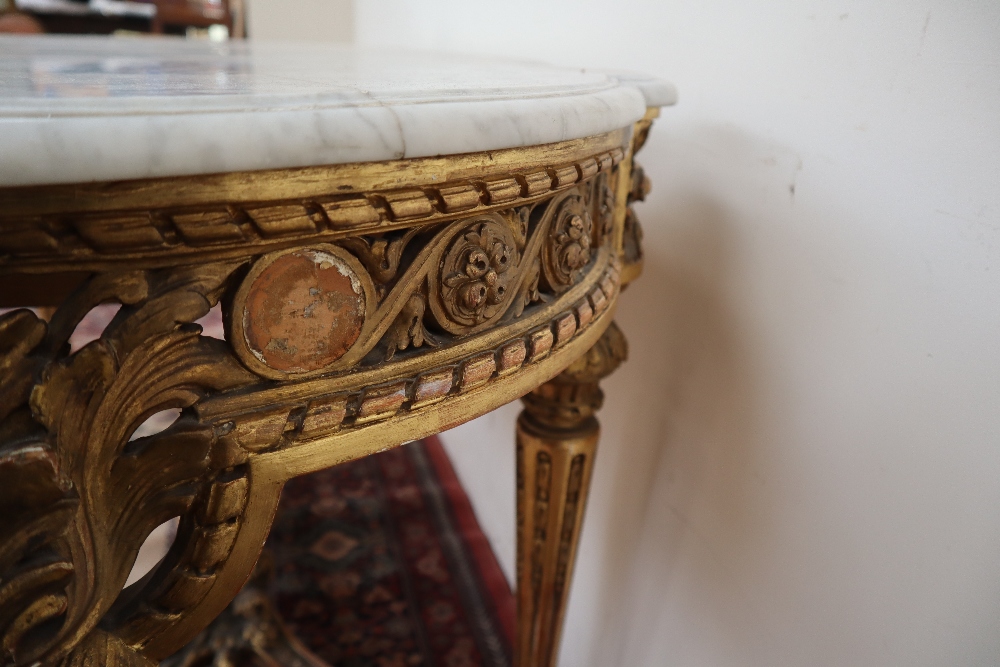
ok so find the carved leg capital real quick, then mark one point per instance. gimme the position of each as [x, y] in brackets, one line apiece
[556, 441]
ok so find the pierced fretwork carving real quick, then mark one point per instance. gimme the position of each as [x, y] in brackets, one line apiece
[84, 493]
[92, 492]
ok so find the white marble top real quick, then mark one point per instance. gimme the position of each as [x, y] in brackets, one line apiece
[95, 109]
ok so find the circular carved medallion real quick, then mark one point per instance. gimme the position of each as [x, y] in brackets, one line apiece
[299, 311]
[478, 272]
[570, 241]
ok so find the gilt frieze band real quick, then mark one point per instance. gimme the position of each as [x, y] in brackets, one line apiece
[170, 234]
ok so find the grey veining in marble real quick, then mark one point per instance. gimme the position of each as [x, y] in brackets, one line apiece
[94, 109]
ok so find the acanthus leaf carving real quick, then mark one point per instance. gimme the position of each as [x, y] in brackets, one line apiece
[606, 204]
[529, 289]
[381, 255]
[632, 230]
[520, 219]
[94, 493]
[408, 329]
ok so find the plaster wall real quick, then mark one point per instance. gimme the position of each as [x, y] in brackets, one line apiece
[301, 20]
[800, 462]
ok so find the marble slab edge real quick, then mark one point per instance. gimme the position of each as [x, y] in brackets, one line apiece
[105, 148]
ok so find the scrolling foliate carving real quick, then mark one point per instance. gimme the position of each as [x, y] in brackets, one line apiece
[495, 265]
[488, 270]
[420, 288]
[82, 492]
[408, 328]
[477, 272]
[529, 288]
[632, 231]
[381, 255]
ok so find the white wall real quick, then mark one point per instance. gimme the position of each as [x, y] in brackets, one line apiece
[300, 20]
[801, 463]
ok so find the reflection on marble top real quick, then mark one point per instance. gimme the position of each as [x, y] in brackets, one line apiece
[94, 108]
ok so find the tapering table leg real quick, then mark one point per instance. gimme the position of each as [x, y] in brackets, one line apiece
[556, 441]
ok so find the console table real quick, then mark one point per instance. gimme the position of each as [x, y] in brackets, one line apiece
[397, 242]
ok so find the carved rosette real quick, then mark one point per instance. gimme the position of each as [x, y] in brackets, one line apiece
[476, 274]
[570, 245]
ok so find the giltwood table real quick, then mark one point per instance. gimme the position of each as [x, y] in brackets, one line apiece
[398, 243]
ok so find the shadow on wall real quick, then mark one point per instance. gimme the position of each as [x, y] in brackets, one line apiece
[682, 416]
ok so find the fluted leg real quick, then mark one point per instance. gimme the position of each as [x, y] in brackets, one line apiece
[556, 441]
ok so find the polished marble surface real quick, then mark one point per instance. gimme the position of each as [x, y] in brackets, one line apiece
[91, 109]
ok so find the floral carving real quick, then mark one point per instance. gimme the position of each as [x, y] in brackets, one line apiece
[606, 204]
[478, 272]
[571, 240]
[81, 484]
[573, 243]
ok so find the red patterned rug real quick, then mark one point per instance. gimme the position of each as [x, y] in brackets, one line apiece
[381, 562]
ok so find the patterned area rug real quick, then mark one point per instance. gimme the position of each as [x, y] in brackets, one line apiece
[381, 562]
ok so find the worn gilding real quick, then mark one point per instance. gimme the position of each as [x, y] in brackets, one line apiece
[303, 311]
[365, 305]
